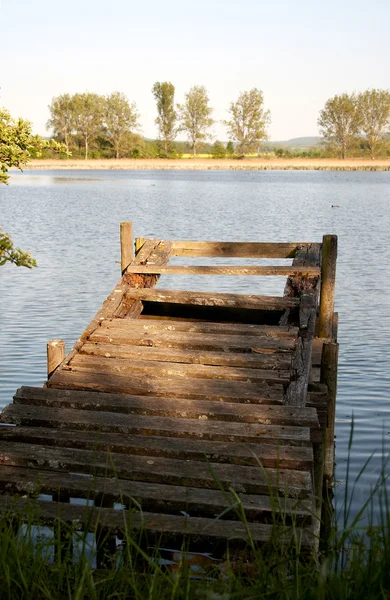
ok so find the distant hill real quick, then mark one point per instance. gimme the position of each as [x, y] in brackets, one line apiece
[300, 143]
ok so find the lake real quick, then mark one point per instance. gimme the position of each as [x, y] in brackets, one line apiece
[69, 220]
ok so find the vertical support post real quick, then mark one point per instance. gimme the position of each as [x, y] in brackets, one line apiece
[63, 543]
[328, 280]
[55, 355]
[127, 253]
[105, 538]
[330, 352]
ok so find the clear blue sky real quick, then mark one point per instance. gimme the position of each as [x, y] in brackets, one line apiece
[299, 53]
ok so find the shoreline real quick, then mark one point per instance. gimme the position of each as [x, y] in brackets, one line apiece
[193, 164]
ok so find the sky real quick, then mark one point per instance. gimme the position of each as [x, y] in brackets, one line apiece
[299, 53]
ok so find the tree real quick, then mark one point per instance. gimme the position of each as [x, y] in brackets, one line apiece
[230, 148]
[120, 119]
[89, 114]
[62, 119]
[218, 150]
[340, 122]
[248, 120]
[16, 145]
[374, 111]
[195, 116]
[164, 94]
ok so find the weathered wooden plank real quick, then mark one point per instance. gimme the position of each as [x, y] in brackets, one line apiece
[94, 364]
[152, 496]
[237, 249]
[72, 419]
[189, 340]
[174, 387]
[180, 408]
[168, 526]
[247, 270]
[149, 324]
[253, 360]
[274, 456]
[213, 299]
[156, 469]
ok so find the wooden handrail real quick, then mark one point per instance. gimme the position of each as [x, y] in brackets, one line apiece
[224, 270]
[232, 249]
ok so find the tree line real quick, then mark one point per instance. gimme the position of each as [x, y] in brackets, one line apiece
[356, 119]
[112, 124]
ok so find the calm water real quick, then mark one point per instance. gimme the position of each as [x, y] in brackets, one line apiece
[70, 222]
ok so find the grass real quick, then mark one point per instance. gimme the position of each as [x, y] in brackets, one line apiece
[36, 563]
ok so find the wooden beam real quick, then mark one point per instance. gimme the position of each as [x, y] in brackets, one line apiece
[237, 249]
[148, 324]
[213, 299]
[226, 270]
[101, 380]
[240, 453]
[268, 359]
[186, 340]
[122, 424]
[151, 496]
[180, 408]
[123, 366]
[328, 282]
[247, 479]
[167, 526]
[127, 253]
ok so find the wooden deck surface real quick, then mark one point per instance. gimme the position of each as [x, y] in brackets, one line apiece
[189, 418]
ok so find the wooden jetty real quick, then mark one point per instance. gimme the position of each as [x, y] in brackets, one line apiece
[187, 408]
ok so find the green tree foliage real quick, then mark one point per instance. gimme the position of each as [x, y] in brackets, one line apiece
[16, 145]
[248, 121]
[164, 94]
[230, 148]
[218, 150]
[374, 111]
[8, 253]
[88, 115]
[120, 120]
[340, 122]
[195, 116]
[62, 118]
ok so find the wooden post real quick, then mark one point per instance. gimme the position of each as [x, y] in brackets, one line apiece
[105, 539]
[127, 254]
[329, 358]
[139, 242]
[328, 280]
[296, 394]
[63, 542]
[55, 355]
